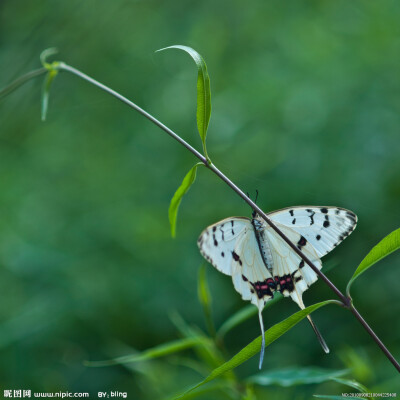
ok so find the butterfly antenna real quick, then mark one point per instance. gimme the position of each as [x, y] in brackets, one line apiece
[255, 201]
[319, 336]
[263, 337]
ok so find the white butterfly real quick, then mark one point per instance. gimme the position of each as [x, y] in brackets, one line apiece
[261, 262]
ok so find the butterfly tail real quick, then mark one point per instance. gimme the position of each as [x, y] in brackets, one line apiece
[297, 298]
[263, 337]
[319, 336]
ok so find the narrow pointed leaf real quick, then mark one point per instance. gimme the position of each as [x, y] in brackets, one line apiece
[254, 347]
[205, 299]
[187, 182]
[353, 384]
[203, 92]
[155, 352]
[295, 376]
[386, 246]
[46, 91]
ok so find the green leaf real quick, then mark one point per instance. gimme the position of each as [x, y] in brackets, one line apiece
[254, 347]
[177, 198]
[295, 376]
[242, 315]
[205, 298]
[155, 352]
[387, 245]
[45, 54]
[353, 384]
[46, 91]
[203, 93]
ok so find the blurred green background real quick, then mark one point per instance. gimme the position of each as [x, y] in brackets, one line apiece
[306, 109]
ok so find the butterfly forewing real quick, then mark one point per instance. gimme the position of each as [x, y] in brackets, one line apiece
[323, 227]
[231, 247]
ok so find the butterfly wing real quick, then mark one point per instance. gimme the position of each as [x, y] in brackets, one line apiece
[294, 276]
[323, 227]
[231, 247]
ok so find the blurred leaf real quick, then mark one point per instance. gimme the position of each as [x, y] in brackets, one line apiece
[385, 247]
[46, 91]
[203, 93]
[45, 54]
[242, 315]
[155, 352]
[352, 383]
[187, 182]
[223, 385]
[254, 347]
[323, 396]
[205, 299]
[249, 395]
[358, 362]
[295, 376]
[208, 353]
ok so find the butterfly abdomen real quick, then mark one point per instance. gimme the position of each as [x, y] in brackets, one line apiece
[259, 230]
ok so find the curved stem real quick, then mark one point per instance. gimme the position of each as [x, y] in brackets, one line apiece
[214, 169]
[345, 301]
[21, 80]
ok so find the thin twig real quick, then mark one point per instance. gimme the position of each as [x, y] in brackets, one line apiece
[20, 81]
[345, 301]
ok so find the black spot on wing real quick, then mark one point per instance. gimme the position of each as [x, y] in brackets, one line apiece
[244, 278]
[301, 264]
[294, 221]
[265, 288]
[324, 210]
[351, 216]
[326, 222]
[312, 213]
[236, 258]
[222, 254]
[318, 237]
[214, 228]
[291, 212]
[302, 242]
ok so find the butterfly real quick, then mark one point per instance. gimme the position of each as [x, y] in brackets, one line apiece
[261, 263]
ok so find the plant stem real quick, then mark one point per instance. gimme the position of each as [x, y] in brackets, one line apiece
[214, 169]
[346, 301]
[21, 80]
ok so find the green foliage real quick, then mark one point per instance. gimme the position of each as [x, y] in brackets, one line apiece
[187, 182]
[203, 93]
[283, 107]
[156, 352]
[46, 91]
[386, 246]
[254, 347]
[295, 376]
[205, 298]
[242, 315]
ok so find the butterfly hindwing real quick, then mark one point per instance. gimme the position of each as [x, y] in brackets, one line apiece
[323, 227]
[294, 275]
